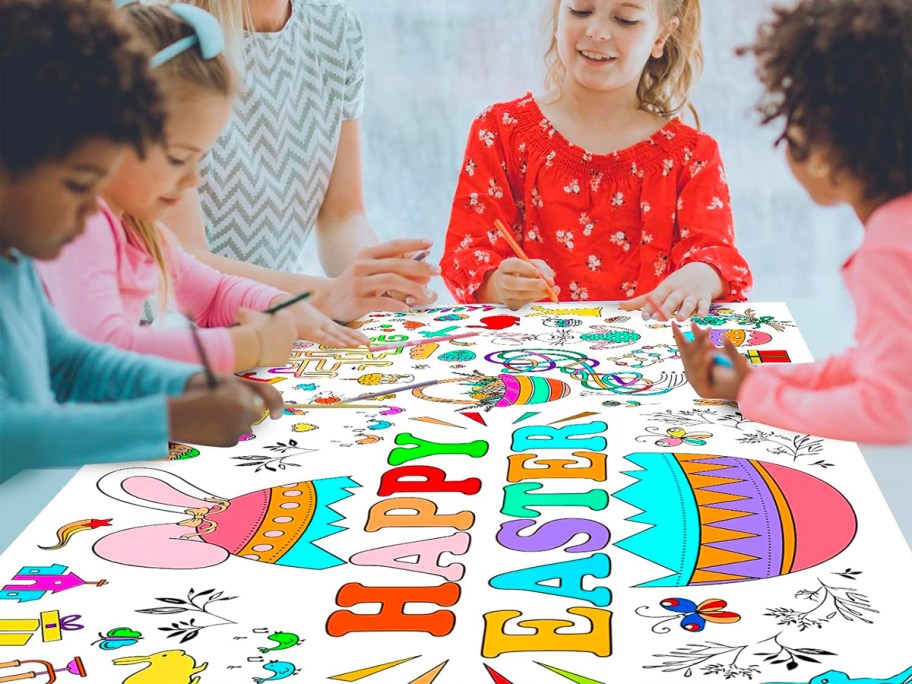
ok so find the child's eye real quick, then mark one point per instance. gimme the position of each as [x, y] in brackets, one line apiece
[626, 22]
[78, 188]
[579, 13]
[174, 161]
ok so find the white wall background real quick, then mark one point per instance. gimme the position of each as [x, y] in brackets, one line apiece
[432, 65]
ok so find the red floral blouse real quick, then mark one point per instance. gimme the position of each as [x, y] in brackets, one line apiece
[610, 225]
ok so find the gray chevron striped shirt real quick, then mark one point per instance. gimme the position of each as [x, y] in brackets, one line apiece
[265, 178]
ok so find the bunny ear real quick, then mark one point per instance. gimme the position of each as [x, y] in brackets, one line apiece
[152, 488]
[159, 546]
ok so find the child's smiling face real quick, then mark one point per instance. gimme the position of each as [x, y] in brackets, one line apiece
[47, 206]
[147, 188]
[605, 44]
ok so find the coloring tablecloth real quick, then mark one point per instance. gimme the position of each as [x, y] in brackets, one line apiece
[559, 506]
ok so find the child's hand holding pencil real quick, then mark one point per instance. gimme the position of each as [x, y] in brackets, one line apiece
[220, 415]
[217, 409]
[518, 280]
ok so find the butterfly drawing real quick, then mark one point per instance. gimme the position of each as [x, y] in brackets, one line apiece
[695, 616]
[678, 436]
[117, 638]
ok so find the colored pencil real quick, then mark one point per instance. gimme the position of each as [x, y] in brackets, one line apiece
[391, 390]
[415, 343]
[421, 256]
[204, 358]
[281, 305]
[510, 240]
[323, 406]
[658, 309]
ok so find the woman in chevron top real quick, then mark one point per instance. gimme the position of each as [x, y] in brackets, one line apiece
[289, 163]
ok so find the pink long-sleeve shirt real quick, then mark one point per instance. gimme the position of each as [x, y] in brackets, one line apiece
[865, 393]
[101, 280]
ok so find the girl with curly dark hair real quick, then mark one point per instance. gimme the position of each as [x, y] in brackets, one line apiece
[75, 95]
[838, 75]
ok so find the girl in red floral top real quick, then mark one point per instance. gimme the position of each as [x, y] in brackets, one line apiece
[608, 192]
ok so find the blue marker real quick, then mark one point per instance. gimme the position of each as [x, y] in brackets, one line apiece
[720, 359]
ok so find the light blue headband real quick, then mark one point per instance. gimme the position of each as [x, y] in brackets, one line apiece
[207, 33]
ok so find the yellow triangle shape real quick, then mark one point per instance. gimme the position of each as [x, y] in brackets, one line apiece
[355, 675]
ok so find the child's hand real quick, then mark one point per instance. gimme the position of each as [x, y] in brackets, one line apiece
[687, 292]
[312, 324]
[218, 417]
[273, 336]
[710, 379]
[380, 278]
[517, 283]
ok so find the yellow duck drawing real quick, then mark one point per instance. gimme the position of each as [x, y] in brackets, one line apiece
[164, 667]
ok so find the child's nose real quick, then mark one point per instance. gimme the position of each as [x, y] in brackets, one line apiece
[190, 179]
[599, 28]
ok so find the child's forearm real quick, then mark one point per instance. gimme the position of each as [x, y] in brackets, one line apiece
[83, 433]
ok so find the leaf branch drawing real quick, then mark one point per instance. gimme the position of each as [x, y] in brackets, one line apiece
[797, 446]
[789, 656]
[830, 602]
[196, 602]
[274, 463]
[688, 657]
[714, 658]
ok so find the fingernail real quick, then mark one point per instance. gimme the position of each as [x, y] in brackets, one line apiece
[426, 292]
[435, 269]
[410, 301]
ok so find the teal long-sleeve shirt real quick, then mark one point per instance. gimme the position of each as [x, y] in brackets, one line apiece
[65, 401]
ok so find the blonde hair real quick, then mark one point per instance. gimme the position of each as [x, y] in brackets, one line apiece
[185, 76]
[233, 15]
[666, 81]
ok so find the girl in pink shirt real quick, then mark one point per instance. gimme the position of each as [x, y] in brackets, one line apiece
[101, 280]
[838, 72]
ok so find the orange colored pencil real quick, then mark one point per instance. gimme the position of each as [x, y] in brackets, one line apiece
[508, 236]
[658, 309]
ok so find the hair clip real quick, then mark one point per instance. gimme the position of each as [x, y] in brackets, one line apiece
[207, 33]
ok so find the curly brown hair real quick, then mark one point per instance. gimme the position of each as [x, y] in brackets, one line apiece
[71, 72]
[840, 71]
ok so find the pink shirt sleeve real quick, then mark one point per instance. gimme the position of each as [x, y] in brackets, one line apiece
[98, 285]
[212, 297]
[864, 393]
